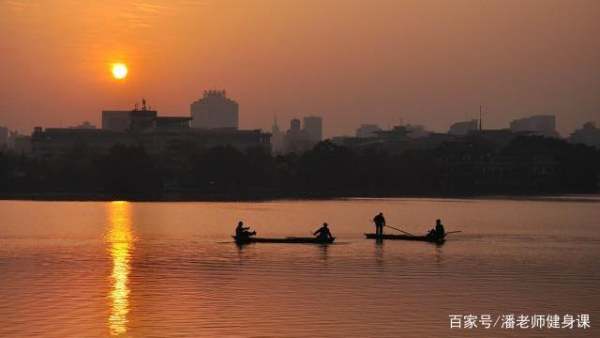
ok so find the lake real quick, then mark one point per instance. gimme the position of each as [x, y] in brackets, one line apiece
[95, 269]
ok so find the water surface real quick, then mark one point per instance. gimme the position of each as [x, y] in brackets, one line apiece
[94, 269]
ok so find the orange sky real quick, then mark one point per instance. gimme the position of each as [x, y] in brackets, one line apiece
[351, 61]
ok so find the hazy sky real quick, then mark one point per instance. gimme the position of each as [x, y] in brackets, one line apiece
[350, 61]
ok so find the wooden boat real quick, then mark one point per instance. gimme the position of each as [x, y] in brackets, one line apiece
[430, 239]
[289, 240]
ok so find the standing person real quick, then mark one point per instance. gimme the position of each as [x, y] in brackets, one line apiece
[323, 233]
[379, 221]
[440, 232]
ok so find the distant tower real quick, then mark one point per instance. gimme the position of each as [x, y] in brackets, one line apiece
[277, 138]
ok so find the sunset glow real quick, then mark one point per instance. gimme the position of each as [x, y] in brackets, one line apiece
[119, 71]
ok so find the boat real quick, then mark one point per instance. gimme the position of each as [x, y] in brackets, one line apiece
[290, 240]
[430, 239]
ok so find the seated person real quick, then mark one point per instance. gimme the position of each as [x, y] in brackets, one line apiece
[243, 232]
[323, 233]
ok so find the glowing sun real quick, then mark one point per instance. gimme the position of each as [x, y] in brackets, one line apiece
[119, 71]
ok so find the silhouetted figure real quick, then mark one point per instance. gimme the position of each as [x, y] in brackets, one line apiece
[432, 233]
[323, 233]
[379, 221]
[440, 232]
[242, 232]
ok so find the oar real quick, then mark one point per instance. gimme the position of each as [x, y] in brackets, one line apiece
[408, 233]
[452, 232]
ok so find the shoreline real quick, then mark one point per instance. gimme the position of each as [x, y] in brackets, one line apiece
[191, 197]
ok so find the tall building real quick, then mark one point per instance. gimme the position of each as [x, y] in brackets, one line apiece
[215, 110]
[296, 139]
[544, 125]
[277, 138]
[463, 128]
[313, 125]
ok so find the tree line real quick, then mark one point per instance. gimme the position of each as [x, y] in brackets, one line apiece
[526, 165]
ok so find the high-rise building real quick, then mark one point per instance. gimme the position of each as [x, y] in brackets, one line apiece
[296, 139]
[215, 110]
[313, 125]
[277, 138]
[544, 125]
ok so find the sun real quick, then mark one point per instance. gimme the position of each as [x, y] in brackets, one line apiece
[119, 71]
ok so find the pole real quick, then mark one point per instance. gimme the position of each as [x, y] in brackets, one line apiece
[408, 233]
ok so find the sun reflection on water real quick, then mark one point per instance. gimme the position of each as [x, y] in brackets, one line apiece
[120, 244]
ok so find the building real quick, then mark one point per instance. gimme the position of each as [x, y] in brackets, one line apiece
[367, 130]
[141, 120]
[313, 126]
[214, 110]
[116, 120]
[144, 128]
[589, 135]
[50, 142]
[172, 123]
[463, 128]
[296, 139]
[543, 125]
[277, 138]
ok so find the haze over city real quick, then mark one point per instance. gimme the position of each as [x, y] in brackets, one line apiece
[351, 62]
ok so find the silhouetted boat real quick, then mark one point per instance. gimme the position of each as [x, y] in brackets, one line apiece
[290, 240]
[430, 239]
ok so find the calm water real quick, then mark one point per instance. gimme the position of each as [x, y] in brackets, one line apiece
[78, 269]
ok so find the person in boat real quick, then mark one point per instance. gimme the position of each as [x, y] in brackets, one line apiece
[431, 234]
[440, 232]
[243, 232]
[323, 233]
[379, 221]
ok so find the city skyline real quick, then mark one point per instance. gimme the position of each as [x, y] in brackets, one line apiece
[426, 63]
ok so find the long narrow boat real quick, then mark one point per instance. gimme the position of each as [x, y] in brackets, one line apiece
[430, 239]
[290, 240]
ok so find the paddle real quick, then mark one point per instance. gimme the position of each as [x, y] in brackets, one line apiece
[408, 233]
[452, 232]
